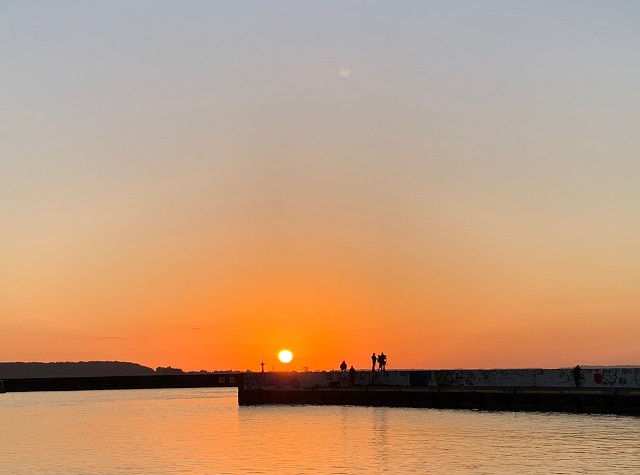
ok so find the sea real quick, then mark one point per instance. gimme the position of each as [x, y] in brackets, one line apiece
[203, 431]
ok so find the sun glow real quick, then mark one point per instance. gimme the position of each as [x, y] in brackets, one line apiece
[285, 356]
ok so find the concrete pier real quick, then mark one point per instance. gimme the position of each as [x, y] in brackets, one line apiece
[206, 380]
[597, 390]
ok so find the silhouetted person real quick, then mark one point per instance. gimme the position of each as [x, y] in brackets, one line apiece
[382, 362]
[343, 366]
[352, 375]
[577, 375]
[373, 362]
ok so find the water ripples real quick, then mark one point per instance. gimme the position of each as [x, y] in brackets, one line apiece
[203, 431]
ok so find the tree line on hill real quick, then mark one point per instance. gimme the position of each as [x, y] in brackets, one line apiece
[80, 369]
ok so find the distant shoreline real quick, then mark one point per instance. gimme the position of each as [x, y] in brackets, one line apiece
[68, 369]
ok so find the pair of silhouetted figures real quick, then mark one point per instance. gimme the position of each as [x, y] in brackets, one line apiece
[381, 359]
[352, 371]
[343, 367]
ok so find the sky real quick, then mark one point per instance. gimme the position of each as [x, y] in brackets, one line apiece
[201, 184]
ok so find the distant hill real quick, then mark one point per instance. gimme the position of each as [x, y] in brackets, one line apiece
[68, 369]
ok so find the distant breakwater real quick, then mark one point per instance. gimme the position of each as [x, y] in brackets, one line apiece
[87, 383]
[593, 390]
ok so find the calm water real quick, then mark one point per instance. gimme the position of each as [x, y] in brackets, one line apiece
[203, 431]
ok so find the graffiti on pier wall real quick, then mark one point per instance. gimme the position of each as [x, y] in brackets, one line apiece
[343, 379]
[324, 379]
[458, 378]
[606, 377]
[560, 378]
[543, 378]
[485, 378]
[515, 377]
[284, 380]
[618, 377]
[551, 378]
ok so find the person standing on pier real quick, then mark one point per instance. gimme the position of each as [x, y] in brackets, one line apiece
[577, 375]
[373, 362]
[343, 366]
[382, 361]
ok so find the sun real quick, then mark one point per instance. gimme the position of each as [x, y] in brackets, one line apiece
[285, 356]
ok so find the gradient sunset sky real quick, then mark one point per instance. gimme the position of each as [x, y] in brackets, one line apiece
[201, 184]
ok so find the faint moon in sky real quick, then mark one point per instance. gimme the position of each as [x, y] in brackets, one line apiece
[345, 72]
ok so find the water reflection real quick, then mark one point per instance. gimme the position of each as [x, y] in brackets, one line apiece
[379, 444]
[203, 431]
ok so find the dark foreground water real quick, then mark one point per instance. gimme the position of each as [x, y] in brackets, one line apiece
[203, 431]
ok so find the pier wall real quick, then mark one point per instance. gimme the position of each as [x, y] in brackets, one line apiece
[324, 379]
[601, 390]
[615, 378]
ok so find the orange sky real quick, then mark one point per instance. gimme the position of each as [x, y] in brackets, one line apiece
[466, 197]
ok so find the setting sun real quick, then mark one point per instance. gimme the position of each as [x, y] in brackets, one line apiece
[285, 356]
